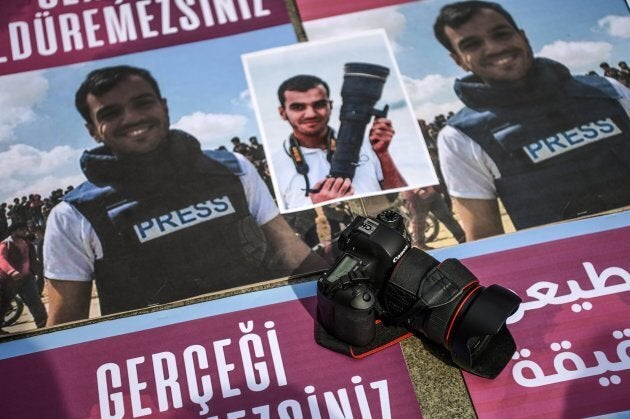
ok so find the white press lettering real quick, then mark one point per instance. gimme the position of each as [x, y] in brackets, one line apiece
[183, 218]
[91, 29]
[566, 141]
[259, 9]
[167, 29]
[272, 336]
[145, 19]
[383, 394]
[291, 409]
[359, 391]
[338, 408]
[256, 373]
[190, 21]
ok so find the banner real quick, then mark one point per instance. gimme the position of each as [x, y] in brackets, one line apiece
[251, 355]
[196, 102]
[314, 9]
[586, 39]
[48, 33]
[571, 330]
[254, 354]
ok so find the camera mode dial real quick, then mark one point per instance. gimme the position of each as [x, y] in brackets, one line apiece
[362, 298]
[392, 219]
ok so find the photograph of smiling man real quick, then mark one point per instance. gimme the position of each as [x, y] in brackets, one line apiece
[549, 144]
[298, 103]
[543, 136]
[146, 223]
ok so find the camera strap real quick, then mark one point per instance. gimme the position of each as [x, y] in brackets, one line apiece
[439, 290]
[296, 155]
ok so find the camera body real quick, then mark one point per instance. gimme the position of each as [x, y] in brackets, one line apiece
[347, 292]
[381, 277]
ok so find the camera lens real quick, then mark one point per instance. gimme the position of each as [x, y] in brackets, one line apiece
[409, 289]
[362, 87]
[444, 302]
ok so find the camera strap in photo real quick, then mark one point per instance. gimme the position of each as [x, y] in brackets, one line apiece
[385, 337]
[295, 152]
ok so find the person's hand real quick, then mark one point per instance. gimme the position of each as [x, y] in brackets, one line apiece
[331, 188]
[381, 135]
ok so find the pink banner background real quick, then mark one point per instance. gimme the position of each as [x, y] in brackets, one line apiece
[317, 9]
[63, 382]
[159, 31]
[567, 322]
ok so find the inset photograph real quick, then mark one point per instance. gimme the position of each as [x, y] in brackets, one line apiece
[336, 121]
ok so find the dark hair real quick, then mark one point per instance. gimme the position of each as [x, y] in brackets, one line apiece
[102, 80]
[457, 14]
[16, 226]
[300, 83]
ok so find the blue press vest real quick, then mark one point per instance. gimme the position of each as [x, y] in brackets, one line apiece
[194, 236]
[563, 158]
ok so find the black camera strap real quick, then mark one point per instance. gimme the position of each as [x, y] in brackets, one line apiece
[295, 153]
[440, 291]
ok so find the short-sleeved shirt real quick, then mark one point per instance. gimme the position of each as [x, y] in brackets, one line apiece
[292, 185]
[71, 245]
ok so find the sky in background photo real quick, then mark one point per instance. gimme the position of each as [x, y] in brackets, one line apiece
[266, 70]
[42, 135]
[580, 34]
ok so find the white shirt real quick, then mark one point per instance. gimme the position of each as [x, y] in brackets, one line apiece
[468, 171]
[292, 185]
[71, 245]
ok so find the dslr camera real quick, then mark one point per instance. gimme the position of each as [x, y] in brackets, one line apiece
[380, 281]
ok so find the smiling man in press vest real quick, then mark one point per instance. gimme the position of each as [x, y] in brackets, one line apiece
[550, 145]
[158, 219]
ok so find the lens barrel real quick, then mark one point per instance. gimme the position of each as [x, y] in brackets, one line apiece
[445, 303]
[362, 88]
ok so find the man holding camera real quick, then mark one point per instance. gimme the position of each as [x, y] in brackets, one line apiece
[303, 164]
[550, 145]
[158, 219]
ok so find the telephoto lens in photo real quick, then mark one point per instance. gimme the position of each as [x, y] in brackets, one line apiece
[362, 88]
[381, 282]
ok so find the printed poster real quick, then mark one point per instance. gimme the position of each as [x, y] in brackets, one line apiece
[571, 330]
[192, 50]
[251, 355]
[357, 69]
[587, 38]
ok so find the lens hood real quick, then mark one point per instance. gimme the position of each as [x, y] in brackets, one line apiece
[482, 343]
